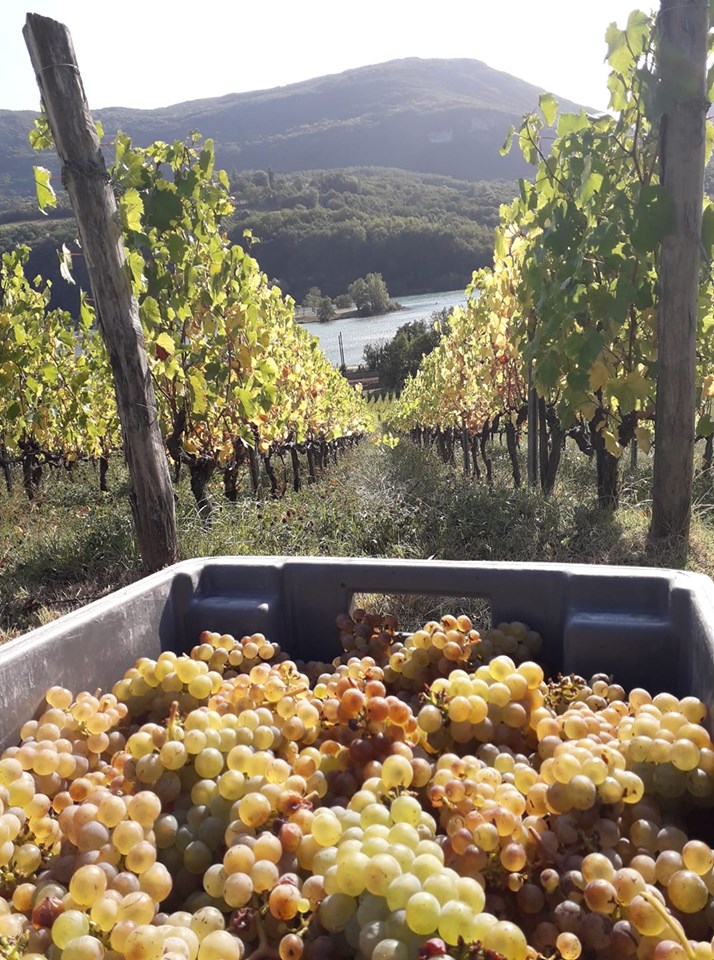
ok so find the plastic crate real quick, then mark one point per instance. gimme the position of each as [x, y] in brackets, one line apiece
[650, 628]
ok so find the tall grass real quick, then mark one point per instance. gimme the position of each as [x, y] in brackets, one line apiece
[74, 544]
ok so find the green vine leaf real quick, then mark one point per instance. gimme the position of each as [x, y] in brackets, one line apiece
[131, 208]
[506, 148]
[40, 136]
[46, 196]
[165, 342]
[571, 123]
[654, 218]
[65, 261]
[549, 107]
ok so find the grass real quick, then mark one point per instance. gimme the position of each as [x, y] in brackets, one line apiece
[74, 544]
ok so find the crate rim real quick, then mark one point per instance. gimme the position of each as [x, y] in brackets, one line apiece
[194, 565]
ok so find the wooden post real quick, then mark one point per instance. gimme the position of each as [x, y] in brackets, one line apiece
[532, 458]
[543, 452]
[87, 182]
[6, 462]
[683, 40]
[512, 447]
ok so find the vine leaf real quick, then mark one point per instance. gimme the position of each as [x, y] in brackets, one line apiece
[40, 136]
[571, 123]
[131, 207]
[599, 375]
[65, 262]
[644, 439]
[705, 427]
[166, 343]
[654, 218]
[165, 206]
[506, 148]
[549, 107]
[611, 443]
[46, 196]
[708, 227]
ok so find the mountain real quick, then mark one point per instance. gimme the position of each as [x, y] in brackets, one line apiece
[447, 117]
[393, 168]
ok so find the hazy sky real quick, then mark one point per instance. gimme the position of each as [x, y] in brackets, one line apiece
[151, 54]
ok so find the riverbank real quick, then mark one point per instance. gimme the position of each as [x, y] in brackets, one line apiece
[346, 314]
[311, 316]
[357, 331]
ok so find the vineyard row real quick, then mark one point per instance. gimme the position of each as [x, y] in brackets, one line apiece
[238, 384]
[563, 332]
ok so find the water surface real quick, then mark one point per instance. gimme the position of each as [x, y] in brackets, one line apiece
[358, 331]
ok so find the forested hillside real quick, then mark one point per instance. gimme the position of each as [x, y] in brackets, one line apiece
[325, 228]
[423, 122]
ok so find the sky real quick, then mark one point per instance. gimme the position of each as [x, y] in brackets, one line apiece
[148, 54]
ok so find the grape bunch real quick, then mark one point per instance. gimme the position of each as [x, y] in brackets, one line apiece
[413, 660]
[431, 795]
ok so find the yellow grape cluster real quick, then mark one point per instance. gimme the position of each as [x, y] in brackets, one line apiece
[232, 803]
[412, 660]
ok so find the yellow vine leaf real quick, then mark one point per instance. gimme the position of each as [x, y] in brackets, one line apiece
[599, 375]
[638, 384]
[588, 410]
[225, 452]
[165, 341]
[611, 443]
[644, 439]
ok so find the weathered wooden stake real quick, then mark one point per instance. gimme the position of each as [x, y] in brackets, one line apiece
[85, 177]
[6, 462]
[512, 447]
[683, 42]
[296, 468]
[532, 457]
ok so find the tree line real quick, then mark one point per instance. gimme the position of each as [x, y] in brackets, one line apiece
[324, 228]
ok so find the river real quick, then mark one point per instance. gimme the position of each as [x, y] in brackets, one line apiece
[358, 331]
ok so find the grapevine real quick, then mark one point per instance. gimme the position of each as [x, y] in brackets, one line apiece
[238, 382]
[572, 299]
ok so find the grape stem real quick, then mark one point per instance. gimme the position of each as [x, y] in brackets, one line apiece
[548, 857]
[263, 951]
[173, 724]
[674, 925]
[13, 948]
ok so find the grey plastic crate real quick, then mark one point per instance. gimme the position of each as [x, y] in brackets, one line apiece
[651, 628]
